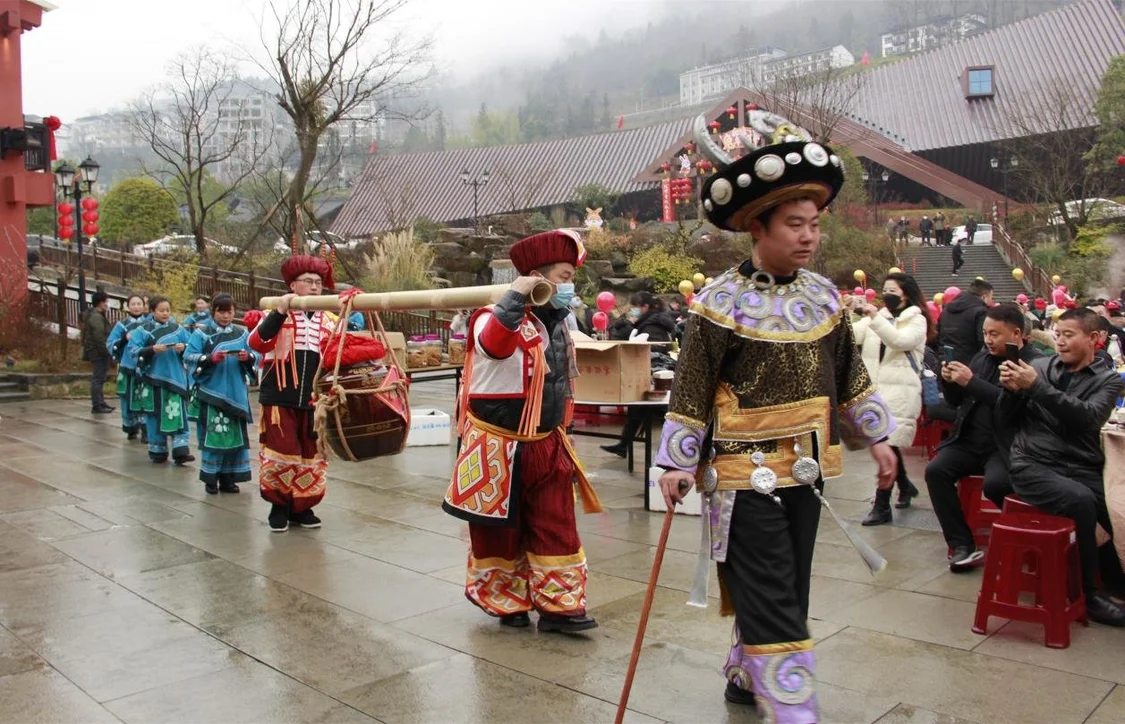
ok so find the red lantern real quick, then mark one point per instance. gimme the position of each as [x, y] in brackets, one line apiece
[66, 208]
[89, 203]
[752, 107]
[90, 229]
[732, 112]
[89, 216]
[689, 148]
[666, 167]
[66, 232]
[66, 221]
[714, 126]
[1121, 160]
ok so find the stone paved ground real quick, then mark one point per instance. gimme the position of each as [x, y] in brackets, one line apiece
[127, 593]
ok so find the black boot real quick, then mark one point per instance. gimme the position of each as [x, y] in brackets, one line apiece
[565, 624]
[906, 492]
[279, 519]
[735, 694]
[617, 449]
[881, 511]
[516, 620]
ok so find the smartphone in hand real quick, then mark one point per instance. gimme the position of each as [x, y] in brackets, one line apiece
[947, 354]
[1012, 353]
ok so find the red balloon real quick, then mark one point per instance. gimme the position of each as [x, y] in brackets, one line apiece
[1121, 160]
[89, 203]
[67, 220]
[858, 291]
[606, 302]
[66, 232]
[870, 294]
[90, 229]
[600, 320]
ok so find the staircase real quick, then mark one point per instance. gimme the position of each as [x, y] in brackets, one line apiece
[931, 267]
[13, 389]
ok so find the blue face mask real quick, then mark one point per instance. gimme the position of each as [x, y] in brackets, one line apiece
[562, 296]
[634, 313]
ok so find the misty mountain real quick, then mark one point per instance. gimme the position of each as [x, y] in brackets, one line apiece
[626, 70]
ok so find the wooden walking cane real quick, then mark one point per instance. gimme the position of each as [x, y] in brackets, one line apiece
[647, 607]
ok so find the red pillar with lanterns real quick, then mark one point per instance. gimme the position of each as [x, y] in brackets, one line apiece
[19, 188]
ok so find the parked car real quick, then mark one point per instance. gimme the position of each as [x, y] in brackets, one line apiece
[178, 242]
[983, 235]
[1096, 210]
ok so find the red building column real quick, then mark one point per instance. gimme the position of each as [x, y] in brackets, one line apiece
[19, 188]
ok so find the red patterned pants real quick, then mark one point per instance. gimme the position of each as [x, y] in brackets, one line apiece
[292, 470]
[539, 563]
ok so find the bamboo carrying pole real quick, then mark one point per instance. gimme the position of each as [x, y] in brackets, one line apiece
[424, 299]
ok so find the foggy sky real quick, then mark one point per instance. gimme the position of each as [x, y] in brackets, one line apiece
[92, 56]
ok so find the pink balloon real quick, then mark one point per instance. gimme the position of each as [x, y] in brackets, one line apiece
[1058, 296]
[935, 312]
[858, 291]
[950, 294]
[600, 320]
[1021, 298]
[606, 302]
[870, 294]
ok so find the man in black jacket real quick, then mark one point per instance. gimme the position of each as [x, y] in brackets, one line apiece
[978, 444]
[961, 325]
[958, 257]
[1059, 405]
[95, 330]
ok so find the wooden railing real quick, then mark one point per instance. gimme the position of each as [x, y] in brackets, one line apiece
[1036, 279]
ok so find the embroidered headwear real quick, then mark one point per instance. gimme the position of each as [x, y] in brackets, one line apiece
[295, 266]
[782, 163]
[550, 247]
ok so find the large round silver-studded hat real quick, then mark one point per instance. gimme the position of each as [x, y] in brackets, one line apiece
[782, 163]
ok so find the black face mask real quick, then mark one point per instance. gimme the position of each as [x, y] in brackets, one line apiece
[891, 301]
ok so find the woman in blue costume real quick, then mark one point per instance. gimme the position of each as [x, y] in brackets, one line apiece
[132, 422]
[220, 362]
[159, 345]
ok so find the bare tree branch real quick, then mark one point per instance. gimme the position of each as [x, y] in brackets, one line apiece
[520, 186]
[816, 101]
[185, 124]
[335, 61]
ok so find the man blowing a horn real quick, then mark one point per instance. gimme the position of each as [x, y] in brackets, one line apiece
[769, 384]
[292, 474]
[514, 480]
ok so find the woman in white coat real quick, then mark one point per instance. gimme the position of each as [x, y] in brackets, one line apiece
[890, 340]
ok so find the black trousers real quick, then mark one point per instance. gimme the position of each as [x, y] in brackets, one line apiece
[957, 264]
[97, 381]
[903, 478]
[1075, 494]
[952, 463]
[769, 564]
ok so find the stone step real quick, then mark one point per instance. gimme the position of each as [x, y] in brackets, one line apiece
[14, 396]
[7, 386]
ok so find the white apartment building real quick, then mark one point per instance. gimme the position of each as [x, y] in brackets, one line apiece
[816, 61]
[711, 81]
[934, 34]
[111, 131]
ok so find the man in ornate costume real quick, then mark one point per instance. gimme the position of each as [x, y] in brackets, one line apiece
[769, 384]
[514, 480]
[292, 474]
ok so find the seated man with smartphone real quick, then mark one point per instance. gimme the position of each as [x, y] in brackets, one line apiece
[1058, 406]
[979, 442]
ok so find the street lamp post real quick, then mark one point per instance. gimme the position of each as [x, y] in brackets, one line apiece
[476, 183]
[85, 215]
[885, 176]
[1004, 169]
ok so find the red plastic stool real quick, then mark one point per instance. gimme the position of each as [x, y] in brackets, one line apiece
[1012, 504]
[980, 513]
[1056, 582]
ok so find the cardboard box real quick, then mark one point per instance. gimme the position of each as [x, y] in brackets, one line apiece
[692, 505]
[429, 427]
[397, 343]
[612, 371]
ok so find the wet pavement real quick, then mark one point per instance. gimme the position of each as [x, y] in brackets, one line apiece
[128, 594]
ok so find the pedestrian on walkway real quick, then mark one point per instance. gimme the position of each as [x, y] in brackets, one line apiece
[132, 421]
[939, 228]
[970, 230]
[160, 346]
[958, 257]
[95, 332]
[926, 227]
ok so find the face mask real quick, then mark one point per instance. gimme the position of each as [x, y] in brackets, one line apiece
[891, 301]
[562, 296]
[634, 313]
